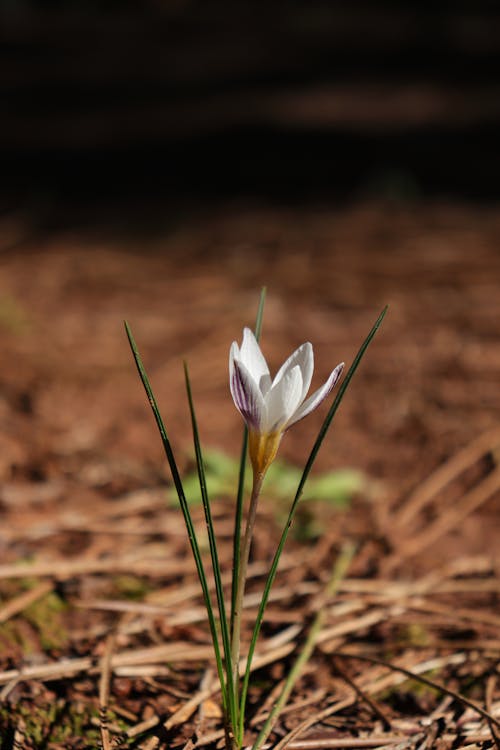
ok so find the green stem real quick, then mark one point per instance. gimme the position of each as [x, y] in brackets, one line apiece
[241, 581]
[238, 516]
[338, 574]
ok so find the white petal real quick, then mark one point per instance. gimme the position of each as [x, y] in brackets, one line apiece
[304, 358]
[246, 395]
[283, 399]
[234, 354]
[254, 361]
[317, 397]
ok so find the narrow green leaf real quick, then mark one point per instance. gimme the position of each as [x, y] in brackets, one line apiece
[310, 461]
[260, 313]
[338, 574]
[241, 477]
[232, 696]
[185, 510]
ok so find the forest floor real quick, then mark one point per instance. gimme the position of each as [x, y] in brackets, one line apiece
[99, 602]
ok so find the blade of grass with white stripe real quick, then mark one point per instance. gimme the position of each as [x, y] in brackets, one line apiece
[310, 461]
[241, 478]
[232, 690]
[185, 511]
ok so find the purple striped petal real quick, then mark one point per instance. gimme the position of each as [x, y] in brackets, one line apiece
[246, 395]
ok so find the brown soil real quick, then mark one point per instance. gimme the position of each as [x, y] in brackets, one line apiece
[88, 541]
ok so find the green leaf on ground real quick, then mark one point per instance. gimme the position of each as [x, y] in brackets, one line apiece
[335, 487]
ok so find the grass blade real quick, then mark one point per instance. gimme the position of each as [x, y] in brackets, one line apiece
[185, 510]
[232, 694]
[241, 478]
[310, 461]
[338, 574]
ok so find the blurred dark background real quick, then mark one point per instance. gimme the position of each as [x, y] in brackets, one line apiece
[128, 109]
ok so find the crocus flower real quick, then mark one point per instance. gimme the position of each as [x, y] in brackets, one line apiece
[270, 407]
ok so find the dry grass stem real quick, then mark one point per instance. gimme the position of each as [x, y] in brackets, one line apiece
[104, 690]
[314, 719]
[415, 674]
[448, 519]
[445, 474]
